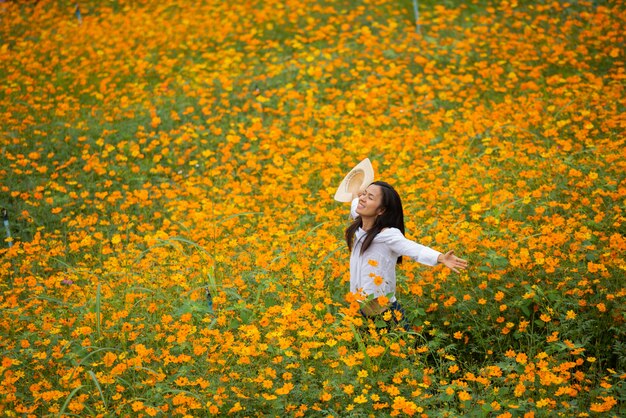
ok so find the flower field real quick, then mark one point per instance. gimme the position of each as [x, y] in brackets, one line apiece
[168, 168]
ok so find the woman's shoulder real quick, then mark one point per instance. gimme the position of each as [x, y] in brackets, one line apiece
[390, 232]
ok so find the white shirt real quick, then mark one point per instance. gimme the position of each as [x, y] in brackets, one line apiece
[374, 271]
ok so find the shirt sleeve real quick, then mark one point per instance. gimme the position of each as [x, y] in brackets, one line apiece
[355, 203]
[401, 245]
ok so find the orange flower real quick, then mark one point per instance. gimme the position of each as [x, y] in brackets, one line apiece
[212, 160]
[285, 389]
[109, 358]
[383, 300]
[464, 396]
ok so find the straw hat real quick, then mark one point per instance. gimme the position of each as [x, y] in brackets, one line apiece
[357, 179]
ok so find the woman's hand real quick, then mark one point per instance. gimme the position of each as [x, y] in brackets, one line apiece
[451, 261]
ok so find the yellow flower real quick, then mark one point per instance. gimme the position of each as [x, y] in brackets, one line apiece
[387, 315]
[236, 408]
[285, 389]
[464, 396]
[325, 396]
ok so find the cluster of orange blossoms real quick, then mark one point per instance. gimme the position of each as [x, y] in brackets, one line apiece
[168, 171]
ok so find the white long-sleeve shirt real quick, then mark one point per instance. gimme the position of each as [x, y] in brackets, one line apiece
[374, 271]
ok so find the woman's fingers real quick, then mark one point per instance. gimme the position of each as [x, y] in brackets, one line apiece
[453, 262]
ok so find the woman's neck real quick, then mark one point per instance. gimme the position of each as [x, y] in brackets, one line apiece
[367, 223]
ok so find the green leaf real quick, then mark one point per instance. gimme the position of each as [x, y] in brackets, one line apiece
[380, 323]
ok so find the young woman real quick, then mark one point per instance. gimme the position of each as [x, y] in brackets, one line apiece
[377, 243]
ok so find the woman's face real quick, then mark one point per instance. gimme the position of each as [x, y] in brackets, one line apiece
[370, 202]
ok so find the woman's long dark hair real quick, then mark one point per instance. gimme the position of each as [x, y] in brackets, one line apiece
[392, 217]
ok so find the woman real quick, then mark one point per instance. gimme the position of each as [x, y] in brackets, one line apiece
[377, 243]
